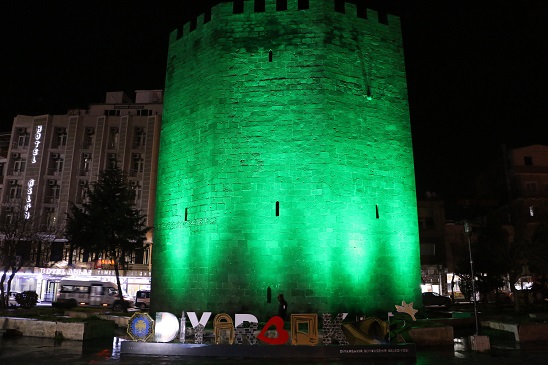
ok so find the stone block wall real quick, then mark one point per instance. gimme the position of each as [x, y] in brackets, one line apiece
[286, 163]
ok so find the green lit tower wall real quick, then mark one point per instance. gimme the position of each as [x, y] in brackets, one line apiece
[286, 164]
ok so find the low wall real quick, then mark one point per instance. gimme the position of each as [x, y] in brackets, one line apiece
[120, 321]
[78, 331]
[530, 332]
[432, 336]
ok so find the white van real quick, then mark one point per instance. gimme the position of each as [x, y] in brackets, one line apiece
[74, 293]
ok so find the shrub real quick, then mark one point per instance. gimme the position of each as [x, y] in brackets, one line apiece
[26, 299]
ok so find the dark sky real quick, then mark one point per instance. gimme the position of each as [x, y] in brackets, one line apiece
[477, 70]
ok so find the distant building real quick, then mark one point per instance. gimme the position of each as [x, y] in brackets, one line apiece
[50, 161]
[432, 243]
[519, 183]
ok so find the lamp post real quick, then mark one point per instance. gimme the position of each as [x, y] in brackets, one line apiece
[468, 231]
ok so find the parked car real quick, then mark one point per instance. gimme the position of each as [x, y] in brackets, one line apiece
[142, 299]
[11, 301]
[430, 298]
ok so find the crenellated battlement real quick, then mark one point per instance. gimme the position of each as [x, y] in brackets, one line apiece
[246, 8]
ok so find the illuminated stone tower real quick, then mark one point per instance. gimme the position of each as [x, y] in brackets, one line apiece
[286, 163]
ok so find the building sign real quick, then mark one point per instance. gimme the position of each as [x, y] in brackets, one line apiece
[304, 328]
[63, 272]
[28, 202]
[37, 138]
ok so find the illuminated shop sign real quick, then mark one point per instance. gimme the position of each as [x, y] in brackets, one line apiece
[37, 138]
[49, 271]
[28, 203]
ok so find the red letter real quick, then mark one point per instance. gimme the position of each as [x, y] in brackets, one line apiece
[283, 335]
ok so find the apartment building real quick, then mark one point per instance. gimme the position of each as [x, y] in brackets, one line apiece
[518, 181]
[51, 160]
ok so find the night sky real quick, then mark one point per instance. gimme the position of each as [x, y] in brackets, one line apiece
[477, 70]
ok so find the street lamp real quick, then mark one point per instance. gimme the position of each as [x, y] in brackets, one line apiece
[468, 231]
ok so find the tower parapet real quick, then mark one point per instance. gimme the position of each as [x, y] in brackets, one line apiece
[248, 7]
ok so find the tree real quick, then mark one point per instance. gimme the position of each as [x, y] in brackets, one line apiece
[20, 234]
[108, 222]
[497, 255]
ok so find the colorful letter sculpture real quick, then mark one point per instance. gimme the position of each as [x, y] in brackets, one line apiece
[223, 328]
[332, 329]
[140, 327]
[407, 308]
[304, 329]
[283, 335]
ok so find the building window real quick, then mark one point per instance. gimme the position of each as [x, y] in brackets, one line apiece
[59, 163]
[81, 192]
[138, 192]
[87, 141]
[60, 137]
[113, 112]
[55, 192]
[51, 219]
[85, 163]
[528, 160]
[144, 112]
[137, 166]
[15, 192]
[113, 138]
[139, 137]
[19, 166]
[23, 140]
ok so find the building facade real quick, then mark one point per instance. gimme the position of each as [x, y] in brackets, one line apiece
[518, 183]
[49, 164]
[286, 163]
[432, 225]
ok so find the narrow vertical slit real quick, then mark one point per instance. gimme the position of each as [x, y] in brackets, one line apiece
[277, 209]
[186, 214]
[377, 211]
[270, 56]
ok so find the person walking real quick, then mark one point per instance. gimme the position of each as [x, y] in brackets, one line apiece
[282, 307]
